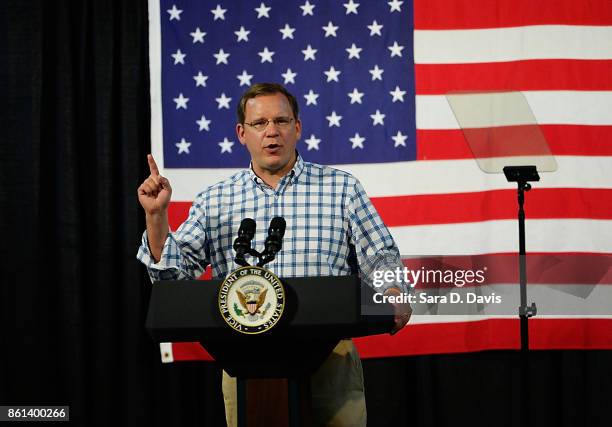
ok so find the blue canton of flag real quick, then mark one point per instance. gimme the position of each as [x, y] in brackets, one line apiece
[349, 64]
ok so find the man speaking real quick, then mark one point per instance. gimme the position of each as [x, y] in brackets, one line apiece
[332, 229]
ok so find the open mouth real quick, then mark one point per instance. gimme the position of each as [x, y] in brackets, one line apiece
[272, 148]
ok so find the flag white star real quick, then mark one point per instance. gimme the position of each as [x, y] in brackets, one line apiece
[397, 94]
[200, 79]
[375, 28]
[203, 123]
[355, 96]
[226, 145]
[289, 76]
[334, 119]
[377, 118]
[174, 13]
[266, 55]
[219, 13]
[395, 5]
[376, 73]
[357, 141]
[351, 7]
[198, 36]
[179, 57]
[245, 78]
[307, 8]
[183, 146]
[223, 101]
[313, 142]
[181, 102]
[399, 139]
[332, 74]
[242, 34]
[262, 11]
[311, 98]
[330, 29]
[396, 50]
[287, 32]
[309, 53]
[221, 57]
[353, 51]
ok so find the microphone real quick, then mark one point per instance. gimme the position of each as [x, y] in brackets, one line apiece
[242, 244]
[276, 231]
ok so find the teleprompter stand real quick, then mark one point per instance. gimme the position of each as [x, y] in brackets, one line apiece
[272, 369]
[522, 175]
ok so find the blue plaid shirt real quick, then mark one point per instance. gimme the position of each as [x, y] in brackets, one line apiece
[332, 227]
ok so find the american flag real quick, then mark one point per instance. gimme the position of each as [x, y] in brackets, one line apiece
[370, 77]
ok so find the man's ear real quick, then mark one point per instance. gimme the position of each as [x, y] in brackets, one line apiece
[298, 128]
[240, 133]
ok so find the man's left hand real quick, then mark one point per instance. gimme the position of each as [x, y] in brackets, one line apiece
[403, 311]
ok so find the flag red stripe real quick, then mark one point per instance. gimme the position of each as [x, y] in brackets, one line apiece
[461, 337]
[177, 213]
[493, 205]
[462, 14]
[581, 268]
[471, 207]
[586, 334]
[542, 268]
[564, 140]
[581, 334]
[189, 351]
[442, 144]
[557, 74]
[501, 268]
[437, 338]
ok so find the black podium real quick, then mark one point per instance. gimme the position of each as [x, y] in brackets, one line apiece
[320, 311]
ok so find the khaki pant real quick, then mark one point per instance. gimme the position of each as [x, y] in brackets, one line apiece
[338, 398]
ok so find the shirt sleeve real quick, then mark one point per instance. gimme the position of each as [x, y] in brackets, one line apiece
[185, 254]
[375, 248]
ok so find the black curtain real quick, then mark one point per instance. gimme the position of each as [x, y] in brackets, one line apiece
[75, 133]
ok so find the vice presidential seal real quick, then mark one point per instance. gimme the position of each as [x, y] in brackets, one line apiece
[252, 300]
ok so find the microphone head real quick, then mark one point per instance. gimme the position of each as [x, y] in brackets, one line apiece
[277, 226]
[247, 228]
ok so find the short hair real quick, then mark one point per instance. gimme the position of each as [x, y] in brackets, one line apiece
[259, 89]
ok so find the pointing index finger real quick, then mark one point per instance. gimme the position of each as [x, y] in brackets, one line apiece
[152, 165]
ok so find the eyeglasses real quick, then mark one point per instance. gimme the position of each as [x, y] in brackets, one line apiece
[280, 122]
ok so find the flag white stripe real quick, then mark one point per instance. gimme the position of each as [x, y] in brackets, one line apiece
[424, 177]
[165, 349]
[501, 236]
[155, 83]
[512, 44]
[551, 299]
[549, 107]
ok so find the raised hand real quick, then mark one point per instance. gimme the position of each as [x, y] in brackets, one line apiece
[154, 196]
[155, 192]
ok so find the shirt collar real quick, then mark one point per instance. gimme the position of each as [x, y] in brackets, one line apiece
[294, 173]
